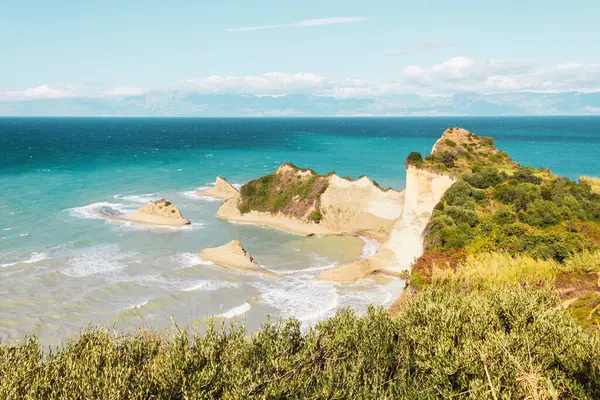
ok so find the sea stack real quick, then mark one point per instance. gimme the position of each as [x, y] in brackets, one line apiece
[159, 212]
[235, 257]
[222, 190]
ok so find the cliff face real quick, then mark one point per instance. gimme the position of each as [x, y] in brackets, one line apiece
[303, 202]
[424, 189]
[360, 205]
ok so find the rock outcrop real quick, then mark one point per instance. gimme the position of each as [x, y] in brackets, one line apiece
[235, 257]
[424, 189]
[221, 190]
[160, 212]
[302, 202]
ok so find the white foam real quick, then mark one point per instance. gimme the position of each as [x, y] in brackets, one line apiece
[369, 248]
[191, 194]
[190, 259]
[209, 285]
[33, 258]
[139, 199]
[97, 260]
[238, 186]
[236, 311]
[139, 305]
[95, 210]
[310, 269]
[7, 229]
[304, 300]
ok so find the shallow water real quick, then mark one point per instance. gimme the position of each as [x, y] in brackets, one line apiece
[62, 268]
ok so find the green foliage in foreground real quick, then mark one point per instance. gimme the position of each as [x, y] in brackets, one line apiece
[502, 344]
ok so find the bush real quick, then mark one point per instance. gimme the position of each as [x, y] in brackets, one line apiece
[484, 178]
[505, 216]
[445, 343]
[447, 159]
[462, 215]
[316, 216]
[519, 196]
[526, 175]
[541, 213]
[414, 158]
[463, 195]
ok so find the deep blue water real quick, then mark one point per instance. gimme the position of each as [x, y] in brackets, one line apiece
[61, 267]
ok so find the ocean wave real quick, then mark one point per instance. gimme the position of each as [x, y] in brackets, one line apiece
[236, 311]
[305, 300]
[139, 305]
[139, 199]
[369, 248]
[189, 260]
[97, 210]
[191, 194]
[209, 285]
[309, 269]
[33, 258]
[96, 261]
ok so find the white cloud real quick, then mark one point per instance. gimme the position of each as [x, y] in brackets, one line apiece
[50, 91]
[125, 91]
[269, 83]
[457, 74]
[302, 24]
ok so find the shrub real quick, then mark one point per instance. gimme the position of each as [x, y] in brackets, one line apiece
[316, 216]
[414, 158]
[445, 343]
[484, 178]
[450, 143]
[447, 159]
[526, 175]
[462, 215]
[541, 213]
[505, 216]
[519, 196]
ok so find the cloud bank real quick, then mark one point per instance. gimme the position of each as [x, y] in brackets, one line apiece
[455, 75]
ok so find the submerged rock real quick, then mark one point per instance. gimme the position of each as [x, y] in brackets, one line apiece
[234, 256]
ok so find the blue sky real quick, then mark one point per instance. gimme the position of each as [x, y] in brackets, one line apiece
[68, 48]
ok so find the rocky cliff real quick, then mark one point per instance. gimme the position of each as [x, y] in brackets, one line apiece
[303, 202]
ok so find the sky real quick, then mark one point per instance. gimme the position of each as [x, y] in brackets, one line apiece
[343, 49]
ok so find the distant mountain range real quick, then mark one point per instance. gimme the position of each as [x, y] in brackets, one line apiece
[189, 104]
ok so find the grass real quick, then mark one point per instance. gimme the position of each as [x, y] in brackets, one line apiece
[593, 182]
[287, 192]
[508, 342]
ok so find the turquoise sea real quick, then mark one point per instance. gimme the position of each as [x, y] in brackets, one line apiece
[62, 268]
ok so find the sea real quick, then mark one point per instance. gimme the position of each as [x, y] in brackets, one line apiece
[62, 268]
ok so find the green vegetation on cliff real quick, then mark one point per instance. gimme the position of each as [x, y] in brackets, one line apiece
[444, 343]
[290, 190]
[501, 209]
